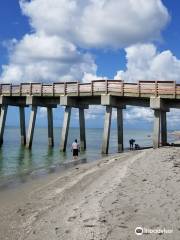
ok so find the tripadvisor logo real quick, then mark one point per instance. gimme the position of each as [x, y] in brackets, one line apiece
[139, 231]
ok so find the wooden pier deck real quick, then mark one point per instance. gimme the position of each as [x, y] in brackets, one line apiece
[160, 96]
[164, 89]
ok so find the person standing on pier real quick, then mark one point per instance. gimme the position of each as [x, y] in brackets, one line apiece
[75, 149]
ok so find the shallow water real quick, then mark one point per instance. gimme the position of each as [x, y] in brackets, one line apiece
[16, 160]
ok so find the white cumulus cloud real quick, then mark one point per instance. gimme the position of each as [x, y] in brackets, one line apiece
[144, 62]
[99, 23]
[64, 31]
[43, 58]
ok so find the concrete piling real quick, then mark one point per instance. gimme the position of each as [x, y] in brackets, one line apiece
[50, 127]
[31, 126]
[2, 122]
[120, 129]
[156, 131]
[107, 127]
[82, 130]
[65, 128]
[163, 128]
[22, 125]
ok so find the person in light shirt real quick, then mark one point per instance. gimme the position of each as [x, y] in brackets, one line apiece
[75, 149]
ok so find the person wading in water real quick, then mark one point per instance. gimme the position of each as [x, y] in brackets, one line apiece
[75, 149]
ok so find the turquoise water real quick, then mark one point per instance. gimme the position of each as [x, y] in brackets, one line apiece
[16, 160]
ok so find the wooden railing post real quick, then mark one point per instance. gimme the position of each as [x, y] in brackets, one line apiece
[92, 88]
[41, 89]
[53, 89]
[156, 88]
[122, 87]
[77, 88]
[174, 89]
[65, 88]
[10, 89]
[30, 91]
[106, 82]
[139, 88]
[20, 89]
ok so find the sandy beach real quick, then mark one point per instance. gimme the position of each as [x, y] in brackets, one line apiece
[106, 199]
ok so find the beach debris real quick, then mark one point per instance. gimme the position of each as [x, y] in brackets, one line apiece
[90, 225]
[19, 210]
[123, 226]
[176, 164]
[70, 219]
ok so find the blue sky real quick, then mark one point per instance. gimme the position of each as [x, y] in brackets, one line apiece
[13, 24]
[107, 55]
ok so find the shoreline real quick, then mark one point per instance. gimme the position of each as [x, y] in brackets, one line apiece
[104, 199]
[14, 180]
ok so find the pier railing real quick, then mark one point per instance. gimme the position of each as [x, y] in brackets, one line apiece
[165, 89]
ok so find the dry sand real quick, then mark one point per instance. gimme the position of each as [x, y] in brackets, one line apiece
[106, 199]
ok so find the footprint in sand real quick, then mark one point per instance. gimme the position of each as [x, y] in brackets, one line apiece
[102, 220]
[89, 225]
[72, 218]
[88, 219]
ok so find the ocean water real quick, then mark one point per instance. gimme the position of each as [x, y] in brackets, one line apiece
[16, 160]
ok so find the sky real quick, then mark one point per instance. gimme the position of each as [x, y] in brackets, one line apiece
[57, 40]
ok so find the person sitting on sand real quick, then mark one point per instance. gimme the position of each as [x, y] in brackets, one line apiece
[75, 149]
[131, 143]
[137, 147]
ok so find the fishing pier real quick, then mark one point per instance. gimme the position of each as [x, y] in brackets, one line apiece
[160, 96]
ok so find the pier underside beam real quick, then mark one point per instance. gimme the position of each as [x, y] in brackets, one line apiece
[31, 126]
[22, 125]
[82, 129]
[50, 127]
[65, 128]
[120, 129]
[2, 122]
[107, 127]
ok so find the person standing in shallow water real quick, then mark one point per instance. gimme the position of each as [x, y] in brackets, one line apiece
[75, 149]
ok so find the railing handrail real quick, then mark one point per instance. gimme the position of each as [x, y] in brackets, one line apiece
[105, 86]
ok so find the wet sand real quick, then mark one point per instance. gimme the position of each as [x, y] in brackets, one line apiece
[106, 199]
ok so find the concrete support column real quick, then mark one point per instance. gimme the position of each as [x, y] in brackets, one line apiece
[107, 127]
[31, 126]
[2, 122]
[65, 128]
[22, 125]
[156, 131]
[82, 130]
[50, 127]
[160, 127]
[163, 128]
[120, 129]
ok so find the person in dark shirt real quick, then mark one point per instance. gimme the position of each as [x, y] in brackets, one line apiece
[131, 143]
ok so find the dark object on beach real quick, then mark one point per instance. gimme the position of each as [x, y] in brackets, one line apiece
[137, 147]
[131, 143]
[177, 164]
